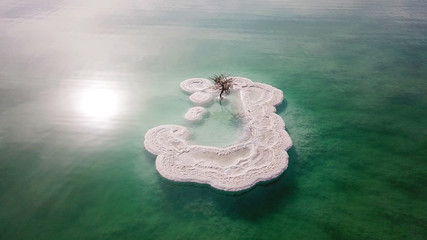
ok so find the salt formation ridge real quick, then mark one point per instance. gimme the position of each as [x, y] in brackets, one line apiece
[260, 156]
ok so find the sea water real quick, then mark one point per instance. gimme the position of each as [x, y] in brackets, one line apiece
[81, 82]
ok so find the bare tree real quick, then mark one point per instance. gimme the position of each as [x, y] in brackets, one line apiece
[223, 83]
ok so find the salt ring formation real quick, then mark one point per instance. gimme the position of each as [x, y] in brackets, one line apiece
[260, 156]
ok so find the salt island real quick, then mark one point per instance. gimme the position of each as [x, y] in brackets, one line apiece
[260, 155]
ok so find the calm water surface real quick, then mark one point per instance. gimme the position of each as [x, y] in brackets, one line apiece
[82, 81]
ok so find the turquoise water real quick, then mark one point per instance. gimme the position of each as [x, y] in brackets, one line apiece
[81, 82]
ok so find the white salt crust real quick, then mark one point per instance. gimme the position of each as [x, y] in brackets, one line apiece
[195, 113]
[201, 97]
[260, 156]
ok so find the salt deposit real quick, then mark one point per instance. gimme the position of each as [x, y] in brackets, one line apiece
[261, 155]
[201, 97]
[195, 113]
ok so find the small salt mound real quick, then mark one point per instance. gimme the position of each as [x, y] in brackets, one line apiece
[260, 156]
[196, 85]
[195, 113]
[201, 97]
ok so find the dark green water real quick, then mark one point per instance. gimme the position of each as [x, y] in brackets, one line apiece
[354, 77]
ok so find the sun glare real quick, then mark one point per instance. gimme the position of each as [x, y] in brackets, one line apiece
[99, 103]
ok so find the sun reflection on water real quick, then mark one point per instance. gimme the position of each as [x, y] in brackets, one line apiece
[98, 99]
[99, 104]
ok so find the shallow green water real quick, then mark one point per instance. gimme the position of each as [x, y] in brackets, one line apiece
[82, 81]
